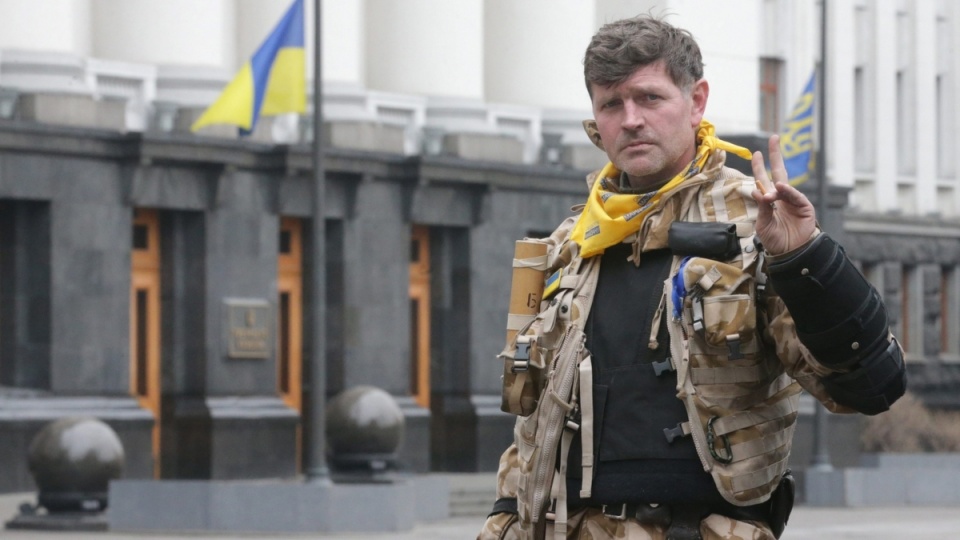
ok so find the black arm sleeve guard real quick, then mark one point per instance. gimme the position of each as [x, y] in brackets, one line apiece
[842, 321]
[504, 505]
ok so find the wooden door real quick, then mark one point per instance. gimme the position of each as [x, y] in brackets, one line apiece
[290, 319]
[145, 319]
[420, 315]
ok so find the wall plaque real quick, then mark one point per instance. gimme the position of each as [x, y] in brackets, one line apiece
[248, 328]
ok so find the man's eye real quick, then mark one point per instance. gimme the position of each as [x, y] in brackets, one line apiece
[652, 97]
[611, 103]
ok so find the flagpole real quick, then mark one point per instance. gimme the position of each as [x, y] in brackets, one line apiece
[315, 465]
[821, 452]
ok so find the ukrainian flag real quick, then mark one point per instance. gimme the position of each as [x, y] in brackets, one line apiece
[796, 140]
[273, 82]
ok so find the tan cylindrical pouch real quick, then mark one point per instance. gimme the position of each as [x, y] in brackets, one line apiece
[526, 289]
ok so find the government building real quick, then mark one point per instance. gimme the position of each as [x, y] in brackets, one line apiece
[159, 279]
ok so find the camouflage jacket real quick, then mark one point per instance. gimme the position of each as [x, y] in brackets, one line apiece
[742, 408]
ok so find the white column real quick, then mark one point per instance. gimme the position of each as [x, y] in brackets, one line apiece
[528, 60]
[885, 111]
[925, 100]
[953, 12]
[608, 11]
[842, 53]
[50, 25]
[731, 64]
[801, 25]
[254, 21]
[343, 41]
[432, 47]
[182, 32]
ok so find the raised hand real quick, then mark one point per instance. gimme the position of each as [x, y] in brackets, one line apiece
[786, 219]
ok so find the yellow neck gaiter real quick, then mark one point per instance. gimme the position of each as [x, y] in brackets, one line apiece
[609, 216]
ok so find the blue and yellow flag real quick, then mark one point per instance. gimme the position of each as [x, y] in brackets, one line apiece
[273, 82]
[796, 140]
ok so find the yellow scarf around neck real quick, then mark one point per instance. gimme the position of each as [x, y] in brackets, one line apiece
[609, 216]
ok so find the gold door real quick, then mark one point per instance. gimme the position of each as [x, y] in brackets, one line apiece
[420, 315]
[290, 318]
[145, 320]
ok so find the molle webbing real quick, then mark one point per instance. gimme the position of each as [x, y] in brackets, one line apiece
[760, 415]
[760, 478]
[729, 375]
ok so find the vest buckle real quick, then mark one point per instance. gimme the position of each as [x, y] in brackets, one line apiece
[659, 368]
[673, 433]
[621, 510]
[521, 359]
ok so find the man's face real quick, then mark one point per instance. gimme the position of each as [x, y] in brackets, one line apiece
[648, 124]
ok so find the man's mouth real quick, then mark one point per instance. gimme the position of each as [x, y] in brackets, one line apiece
[638, 144]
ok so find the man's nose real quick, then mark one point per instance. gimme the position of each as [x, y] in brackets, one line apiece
[632, 116]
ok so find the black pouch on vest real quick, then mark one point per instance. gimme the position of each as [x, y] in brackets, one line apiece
[714, 240]
[781, 504]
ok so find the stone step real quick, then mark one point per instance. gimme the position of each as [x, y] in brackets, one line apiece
[472, 495]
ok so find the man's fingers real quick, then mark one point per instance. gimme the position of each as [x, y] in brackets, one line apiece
[777, 169]
[760, 173]
[791, 195]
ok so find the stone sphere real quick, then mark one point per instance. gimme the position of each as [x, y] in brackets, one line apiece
[364, 425]
[72, 461]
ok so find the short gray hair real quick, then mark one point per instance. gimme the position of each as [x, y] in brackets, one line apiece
[620, 48]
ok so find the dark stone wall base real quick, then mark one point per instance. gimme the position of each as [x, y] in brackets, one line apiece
[469, 433]
[414, 451]
[25, 414]
[230, 438]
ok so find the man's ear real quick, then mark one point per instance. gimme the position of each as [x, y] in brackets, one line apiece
[699, 95]
[590, 126]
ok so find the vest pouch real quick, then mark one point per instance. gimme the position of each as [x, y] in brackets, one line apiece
[523, 378]
[728, 317]
[721, 306]
[539, 454]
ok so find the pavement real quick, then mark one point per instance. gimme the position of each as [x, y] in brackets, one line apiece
[807, 523]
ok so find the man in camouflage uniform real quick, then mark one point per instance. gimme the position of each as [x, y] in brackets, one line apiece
[657, 389]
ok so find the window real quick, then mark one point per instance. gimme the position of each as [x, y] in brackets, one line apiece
[771, 70]
[911, 312]
[862, 121]
[950, 313]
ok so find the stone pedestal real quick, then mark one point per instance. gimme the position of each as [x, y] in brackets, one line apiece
[61, 521]
[275, 506]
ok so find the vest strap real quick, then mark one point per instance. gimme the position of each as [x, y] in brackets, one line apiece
[569, 281]
[586, 426]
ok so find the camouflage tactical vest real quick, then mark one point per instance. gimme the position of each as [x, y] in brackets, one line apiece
[741, 404]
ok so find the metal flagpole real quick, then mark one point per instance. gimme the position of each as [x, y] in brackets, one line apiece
[315, 466]
[821, 453]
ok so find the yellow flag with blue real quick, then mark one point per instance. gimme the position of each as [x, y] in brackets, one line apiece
[796, 139]
[272, 82]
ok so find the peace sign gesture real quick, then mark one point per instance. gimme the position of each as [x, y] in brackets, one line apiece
[787, 218]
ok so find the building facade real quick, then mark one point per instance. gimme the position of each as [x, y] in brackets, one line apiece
[157, 279]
